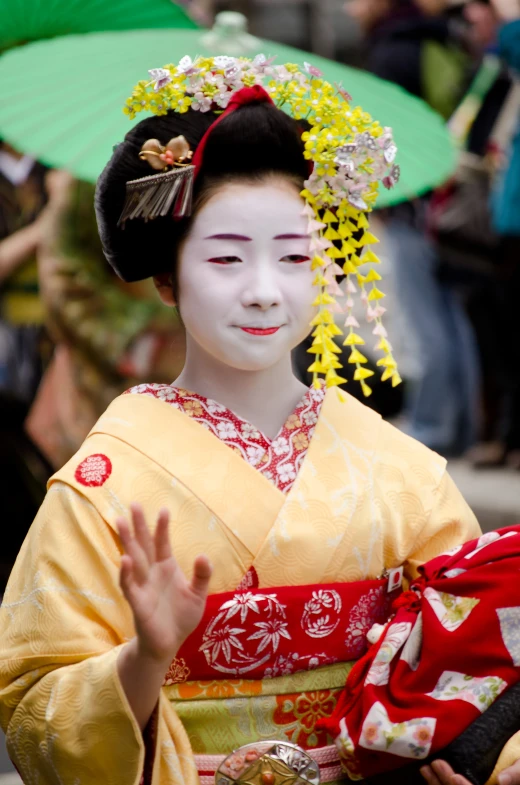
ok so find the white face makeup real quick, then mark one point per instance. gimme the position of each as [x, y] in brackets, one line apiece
[245, 279]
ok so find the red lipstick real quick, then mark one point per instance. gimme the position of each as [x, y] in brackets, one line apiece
[260, 331]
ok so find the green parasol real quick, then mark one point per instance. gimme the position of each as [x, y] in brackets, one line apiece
[62, 101]
[30, 20]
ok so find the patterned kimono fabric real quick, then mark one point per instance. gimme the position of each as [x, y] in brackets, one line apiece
[300, 531]
[302, 702]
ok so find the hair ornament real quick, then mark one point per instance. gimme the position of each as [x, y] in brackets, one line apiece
[351, 154]
[170, 192]
[175, 153]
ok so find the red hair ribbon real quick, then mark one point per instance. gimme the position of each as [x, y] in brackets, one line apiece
[242, 97]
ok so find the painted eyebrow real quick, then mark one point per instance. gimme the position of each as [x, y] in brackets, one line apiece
[291, 237]
[243, 238]
[229, 237]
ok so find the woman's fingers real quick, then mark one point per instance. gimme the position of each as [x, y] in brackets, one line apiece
[126, 568]
[163, 549]
[441, 773]
[124, 533]
[446, 774]
[142, 534]
[141, 551]
[202, 570]
[428, 774]
[134, 551]
[125, 575]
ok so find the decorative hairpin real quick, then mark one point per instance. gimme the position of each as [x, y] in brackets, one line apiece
[171, 191]
[175, 153]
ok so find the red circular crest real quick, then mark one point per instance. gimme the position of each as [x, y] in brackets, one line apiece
[94, 470]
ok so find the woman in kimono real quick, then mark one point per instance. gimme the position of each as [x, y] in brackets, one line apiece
[126, 656]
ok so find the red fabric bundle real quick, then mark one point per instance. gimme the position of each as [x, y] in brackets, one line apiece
[452, 648]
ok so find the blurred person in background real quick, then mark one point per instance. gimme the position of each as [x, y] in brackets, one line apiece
[416, 45]
[22, 197]
[503, 445]
[109, 335]
[429, 54]
[478, 246]
[23, 345]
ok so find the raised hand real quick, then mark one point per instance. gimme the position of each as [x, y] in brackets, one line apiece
[166, 607]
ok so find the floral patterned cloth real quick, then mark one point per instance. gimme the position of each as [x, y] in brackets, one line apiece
[417, 690]
[278, 459]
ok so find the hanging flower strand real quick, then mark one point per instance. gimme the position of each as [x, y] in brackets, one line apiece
[351, 154]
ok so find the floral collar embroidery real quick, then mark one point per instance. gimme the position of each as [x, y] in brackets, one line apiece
[278, 459]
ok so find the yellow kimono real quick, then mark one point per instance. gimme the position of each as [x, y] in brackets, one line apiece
[366, 499]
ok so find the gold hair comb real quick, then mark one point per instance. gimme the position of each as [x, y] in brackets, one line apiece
[159, 194]
[173, 154]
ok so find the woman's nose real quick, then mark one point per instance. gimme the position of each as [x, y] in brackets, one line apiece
[262, 290]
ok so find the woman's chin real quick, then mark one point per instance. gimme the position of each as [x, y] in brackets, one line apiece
[251, 366]
[252, 362]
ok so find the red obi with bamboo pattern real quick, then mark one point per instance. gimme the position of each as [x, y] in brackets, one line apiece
[264, 633]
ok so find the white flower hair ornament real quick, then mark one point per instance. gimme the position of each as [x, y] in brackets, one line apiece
[350, 154]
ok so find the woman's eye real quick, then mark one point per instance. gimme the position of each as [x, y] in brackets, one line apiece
[224, 260]
[295, 258]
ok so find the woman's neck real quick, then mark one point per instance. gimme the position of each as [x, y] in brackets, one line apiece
[263, 398]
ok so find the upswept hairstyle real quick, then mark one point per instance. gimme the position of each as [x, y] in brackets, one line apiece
[254, 142]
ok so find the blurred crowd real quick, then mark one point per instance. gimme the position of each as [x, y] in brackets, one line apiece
[456, 251]
[72, 336]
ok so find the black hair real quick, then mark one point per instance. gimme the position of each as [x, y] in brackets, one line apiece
[251, 143]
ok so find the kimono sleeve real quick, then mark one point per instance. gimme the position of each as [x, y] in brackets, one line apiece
[450, 523]
[62, 623]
